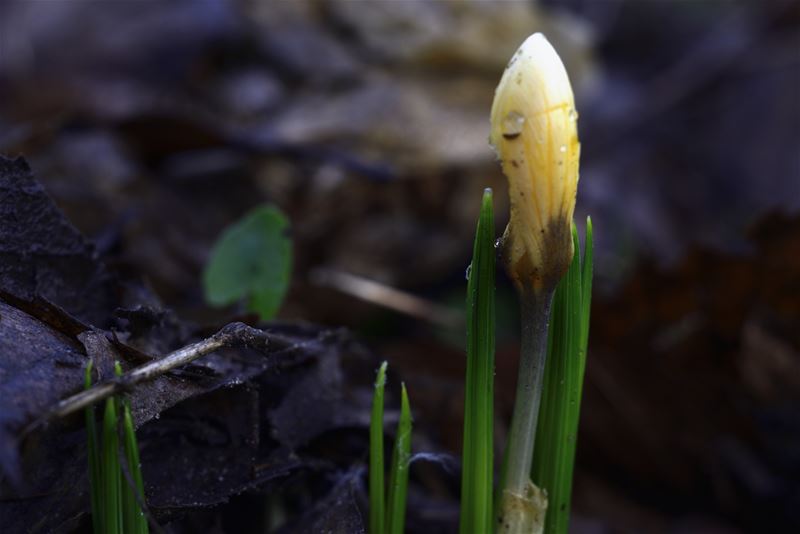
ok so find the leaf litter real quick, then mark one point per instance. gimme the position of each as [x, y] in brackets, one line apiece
[236, 420]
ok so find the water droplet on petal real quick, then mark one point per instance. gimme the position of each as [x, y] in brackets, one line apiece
[573, 115]
[562, 148]
[512, 124]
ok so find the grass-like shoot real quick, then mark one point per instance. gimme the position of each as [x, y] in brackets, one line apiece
[398, 477]
[477, 457]
[117, 495]
[377, 500]
[556, 438]
[387, 513]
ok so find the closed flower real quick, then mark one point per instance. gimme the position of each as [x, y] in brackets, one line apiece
[534, 133]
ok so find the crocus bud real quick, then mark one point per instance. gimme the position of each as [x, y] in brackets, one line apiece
[535, 135]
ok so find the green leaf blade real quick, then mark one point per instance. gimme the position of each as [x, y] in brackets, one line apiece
[111, 471]
[554, 457]
[477, 455]
[134, 519]
[398, 479]
[377, 499]
[95, 482]
[252, 259]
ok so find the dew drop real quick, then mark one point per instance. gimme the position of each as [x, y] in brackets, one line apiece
[468, 272]
[573, 115]
[498, 243]
[562, 148]
[512, 124]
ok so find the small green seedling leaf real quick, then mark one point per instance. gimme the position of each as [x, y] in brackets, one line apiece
[111, 471]
[92, 438]
[377, 499]
[115, 499]
[253, 260]
[133, 517]
[398, 477]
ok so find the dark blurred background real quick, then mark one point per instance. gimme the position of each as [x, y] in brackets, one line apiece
[154, 125]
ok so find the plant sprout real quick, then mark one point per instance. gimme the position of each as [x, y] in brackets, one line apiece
[116, 500]
[398, 476]
[534, 132]
[387, 514]
[252, 260]
[377, 502]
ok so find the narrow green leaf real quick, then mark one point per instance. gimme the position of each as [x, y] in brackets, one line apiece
[377, 499]
[252, 259]
[398, 478]
[95, 483]
[554, 453]
[110, 471]
[134, 519]
[477, 456]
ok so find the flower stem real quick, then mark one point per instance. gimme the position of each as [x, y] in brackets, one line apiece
[535, 314]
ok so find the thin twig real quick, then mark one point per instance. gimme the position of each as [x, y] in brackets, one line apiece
[230, 335]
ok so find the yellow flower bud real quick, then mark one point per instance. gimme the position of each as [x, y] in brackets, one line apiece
[535, 135]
